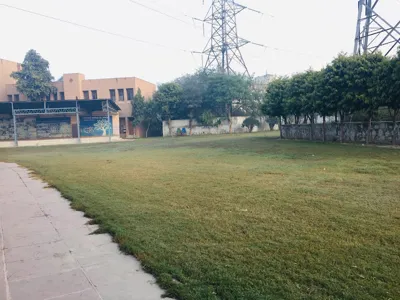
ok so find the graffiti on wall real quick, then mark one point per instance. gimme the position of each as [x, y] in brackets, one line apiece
[36, 128]
[53, 128]
[26, 128]
[95, 126]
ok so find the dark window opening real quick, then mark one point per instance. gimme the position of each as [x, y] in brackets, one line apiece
[48, 98]
[94, 95]
[55, 96]
[16, 98]
[130, 94]
[112, 95]
[121, 94]
[9, 97]
[86, 95]
[62, 96]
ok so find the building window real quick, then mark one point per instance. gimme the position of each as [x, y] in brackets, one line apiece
[16, 98]
[62, 96]
[94, 95]
[121, 95]
[112, 95]
[86, 95]
[9, 98]
[55, 96]
[48, 98]
[130, 94]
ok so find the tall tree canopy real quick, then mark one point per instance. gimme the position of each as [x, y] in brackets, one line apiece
[349, 85]
[168, 98]
[34, 79]
[228, 92]
[193, 96]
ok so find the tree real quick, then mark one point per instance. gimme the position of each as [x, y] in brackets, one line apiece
[193, 92]
[250, 123]
[138, 109]
[34, 79]
[294, 96]
[346, 86]
[274, 103]
[229, 91]
[324, 104]
[389, 88]
[209, 119]
[311, 95]
[102, 125]
[373, 67]
[151, 115]
[168, 98]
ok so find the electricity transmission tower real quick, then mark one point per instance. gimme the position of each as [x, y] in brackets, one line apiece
[223, 48]
[373, 32]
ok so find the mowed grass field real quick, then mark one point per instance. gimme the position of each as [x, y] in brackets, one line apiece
[241, 217]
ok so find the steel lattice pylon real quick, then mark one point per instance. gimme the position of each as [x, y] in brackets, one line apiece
[373, 32]
[223, 48]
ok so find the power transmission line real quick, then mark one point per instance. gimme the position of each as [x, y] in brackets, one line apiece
[160, 12]
[94, 29]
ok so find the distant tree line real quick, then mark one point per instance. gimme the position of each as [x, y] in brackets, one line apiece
[349, 87]
[204, 97]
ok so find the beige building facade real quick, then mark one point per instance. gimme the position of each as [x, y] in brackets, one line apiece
[76, 86]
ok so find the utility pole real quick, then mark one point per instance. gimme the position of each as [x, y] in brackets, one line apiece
[223, 48]
[373, 32]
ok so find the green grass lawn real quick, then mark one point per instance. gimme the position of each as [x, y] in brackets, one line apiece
[241, 217]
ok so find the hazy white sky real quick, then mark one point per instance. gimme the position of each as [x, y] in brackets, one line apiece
[309, 33]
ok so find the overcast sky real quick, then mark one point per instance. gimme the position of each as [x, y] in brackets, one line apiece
[307, 33]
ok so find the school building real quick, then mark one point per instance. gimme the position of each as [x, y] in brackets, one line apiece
[77, 103]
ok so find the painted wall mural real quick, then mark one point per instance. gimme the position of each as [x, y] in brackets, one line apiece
[95, 126]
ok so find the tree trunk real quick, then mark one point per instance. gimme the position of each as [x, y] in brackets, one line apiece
[305, 120]
[311, 128]
[324, 129]
[369, 133]
[229, 110]
[147, 130]
[170, 127]
[394, 129]
[336, 117]
[190, 126]
[341, 128]
[280, 127]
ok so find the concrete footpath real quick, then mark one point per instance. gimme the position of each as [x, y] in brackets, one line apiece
[47, 251]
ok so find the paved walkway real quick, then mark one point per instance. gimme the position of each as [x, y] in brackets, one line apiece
[47, 252]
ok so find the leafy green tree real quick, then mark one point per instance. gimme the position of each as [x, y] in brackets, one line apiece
[168, 99]
[138, 109]
[346, 88]
[209, 119]
[250, 123]
[34, 79]
[274, 103]
[151, 116]
[311, 95]
[294, 96]
[193, 92]
[229, 91]
[324, 105]
[372, 97]
[389, 88]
